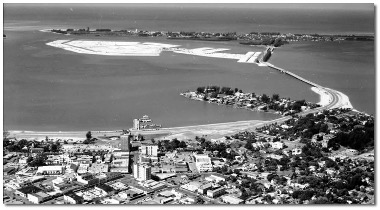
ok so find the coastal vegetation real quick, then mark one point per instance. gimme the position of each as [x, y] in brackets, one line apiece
[348, 129]
[24, 145]
[237, 98]
[276, 42]
[275, 39]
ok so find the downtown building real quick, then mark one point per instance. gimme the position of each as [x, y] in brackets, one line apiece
[148, 153]
[142, 172]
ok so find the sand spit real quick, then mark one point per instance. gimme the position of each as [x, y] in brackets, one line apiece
[112, 48]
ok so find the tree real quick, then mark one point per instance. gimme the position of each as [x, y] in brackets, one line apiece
[22, 143]
[182, 144]
[88, 135]
[200, 90]
[214, 95]
[248, 145]
[39, 160]
[30, 159]
[275, 97]
[199, 200]
[265, 98]
[175, 143]
[244, 194]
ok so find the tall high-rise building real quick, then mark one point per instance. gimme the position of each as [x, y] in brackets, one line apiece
[124, 142]
[142, 172]
[136, 124]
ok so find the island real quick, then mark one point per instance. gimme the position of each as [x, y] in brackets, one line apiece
[253, 38]
[238, 99]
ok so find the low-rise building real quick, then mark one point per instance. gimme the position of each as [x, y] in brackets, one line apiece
[83, 168]
[192, 186]
[232, 199]
[216, 178]
[24, 191]
[73, 198]
[105, 189]
[38, 197]
[97, 168]
[216, 192]
[87, 179]
[203, 163]
[204, 188]
[50, 170]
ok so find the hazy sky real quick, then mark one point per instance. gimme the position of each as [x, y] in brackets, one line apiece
[306, 6]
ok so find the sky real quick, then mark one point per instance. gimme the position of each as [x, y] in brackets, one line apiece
[298, 6]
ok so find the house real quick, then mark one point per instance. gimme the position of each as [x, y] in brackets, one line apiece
[296, 151]
[277, 145]
[23, 160]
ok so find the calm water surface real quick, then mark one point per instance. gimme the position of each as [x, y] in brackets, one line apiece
[47, 88]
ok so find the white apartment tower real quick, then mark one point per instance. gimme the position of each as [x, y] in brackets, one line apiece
[142, 172]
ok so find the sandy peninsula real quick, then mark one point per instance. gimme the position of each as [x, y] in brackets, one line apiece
[114, 48]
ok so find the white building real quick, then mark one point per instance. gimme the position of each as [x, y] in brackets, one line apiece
[38, 197]
[277, 145]
[142, 172]
[296, 151]
[215, 178]
[231, 199]
[23, 160]
[149, 149]
[203, 163]
[50, 170]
